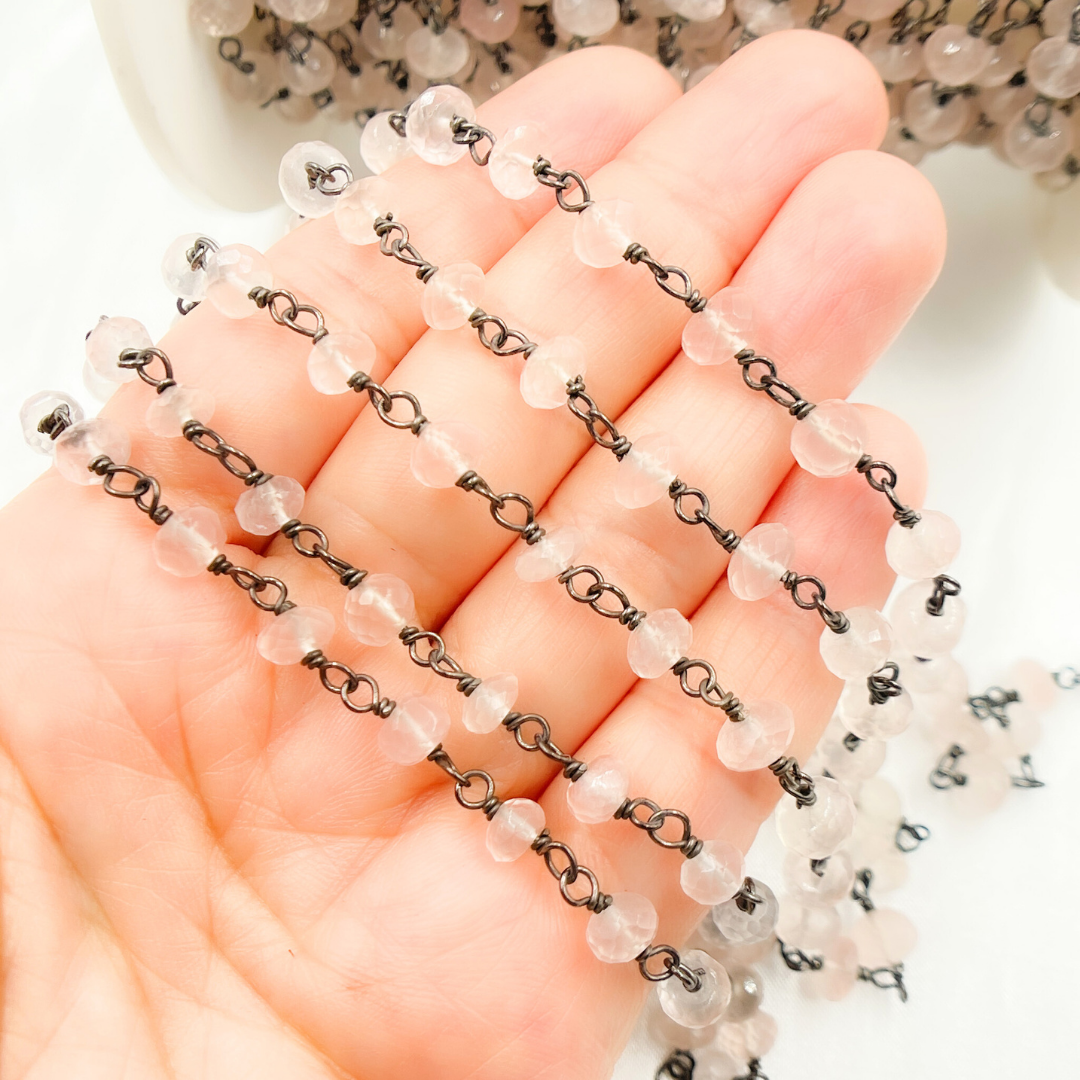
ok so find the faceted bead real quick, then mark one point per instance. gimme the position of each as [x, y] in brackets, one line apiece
[869, 721]
[170, 410]
[716, 1063]
[720, 330]
[176, 270]
[298, 191]
[920, 632]
[444, 452]
[933, 117]
[380, 145]
[1053, 67]
[109, 339]
[740, 927]
[384, 36]
[704, 1006]
[955, 57]
[36, 408]
[646, 472]
[604, 230]
[839, 971]
[487, 706]
[926, 549]
[922, 676]
[289, 637]
[100, 388]
[585, 18]
[1034, 683]
[762, 558]
[549, 368]
[596, 796]
[807, 927]
[625, 927]
[1038, 139]
[851, 763]
[297, 10]
[986, 785]
[264, 508]
[437, 56]
[667, 1033]
[698, 10]
[451, 295]
[550, 555]
[335, 358]
[756, 741]
[189, 541]
[309, 73]
[862, 649]
[415, 727]
[77, 446]
[510, 166]
[220, 18]
[490, 21]
[378, 609]
[362, 203]
[232, 272]
[511, 832]
[747, 994]
[883, 937]
[896, 62]
[832, 438]
[819, 890]
[714, 875]
[661, 638]
[747, 1039]
[818, 830]
[427, 126]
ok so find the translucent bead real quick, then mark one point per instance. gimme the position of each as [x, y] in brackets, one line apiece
[646, 473]
[176, 270]
[747, 994]
[920, 632]
[596, 796]
[490, 21]
[956, 57]
[1020, 737]
[763, 17]
[1053, 67]
[297, 10]
[511, 832]
[335, 14]
[839, 971]
[922, 676]
[869, 721]
[297, 189]
[748, 1039]
[100, 388]
[879, 801]
[986, 785]
[170, 410]
[708, 936]
[926, 549]
[585, 18]
[896, 62]
[604, 230]
[451, 295]
[36, 408]
[335, 358]
[264, 508]
[1034, 683]
[232, 272]
[883, 937]
[77, 446]
[701, 1007]
[549, 368]
[716, 1063]
[818, 830]
[109, 338]
[814, 889]
[550, 555]
[857, 761]
[384, 36]
[220, 18]
[738, 927]
[415, 727]
[933, 117]
[625, 927]
[307, 73]
[437, 56]
[698, 10]
[1038, 139]
[756, 741]
[510, 166]
[810, 928]
[444, 452]
[888, 866]
[189, 541]
[720, 330]
[362, 203]
[661, 638]
[667, 1033]
[762, 558]
[862, 649]
[380, 145]
[379, 608]
[289, 637]
[487, 706]
[714, 875]
[830, 441]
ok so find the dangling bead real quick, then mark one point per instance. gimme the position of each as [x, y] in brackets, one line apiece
[510, 165]
[490, 21]
[807, 927]
[738, 927]
[170, 410]
[437, 56]
[831, 439]
[763, 17]
[220, 18]
[297, 189]
[445, 451]
[715, 1062]
[297, 10]
[698, 10]
[760, 561]
[335, 358]
[661, 638]
[818, 830]
[896, 61]
[378, 609]
[986, 785]
[451, 295]
[1053, 67]
[596, 796]
[384, 36]
[920, 632]
[869, 721]
[603, 232]
[623, 929]
[714, 875]
[264, 508]
[759, 739]
[1038, 139]
[839, 971]
[294, 634]
[748, 1039]
[585, 18]
[362, 203]
[716, 333]
[550, 555]
[189, 541]
[925, 550]
[380, 145]
[77, 446]
[647, 471]
[427, 126]
[232, 272]
[511, 832]
[747, 994]
[883, 937]
[177, 273]
[851, 761]
[813, 890]
[862, 649]
[549, 368]
[111, 337]
[1034, 683]
[933, 117]
[36, 408]
[703, 1006]
[415, 727]
[955, 57]
[487, 706]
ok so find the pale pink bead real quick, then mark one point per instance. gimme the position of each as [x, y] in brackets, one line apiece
[850, 762]
[955, 57]
[840, 969]
[111, 337]
[870, 10]
[297, 10]
[334, 14]
[299, 193]
[362, 203]
[666, 1033]
[748, 1039]
[451, 295]
[762, 558]
[862, 649]
[36, 407]
[763, 17]
[585, 18]
[220, 18]
[380, 145]
[549, 368]
[869, 721]
[812, 889]
[437, 56]
[1038, 139]
[510, 166]
[920, 632]
[378, 609]
[715, 1062]
[714, 874]
[1019, 738]
[619, 932]
[427, 126]
[384, 36]
[487, 706]
[831, 439]
[1053, 67]
[305, 74]
[817, 831]
[933, 117]
[77, 446]
[705, 1005]
[922, 676]
[413, 730]
[550, 555]
[596, 796]
[738, 927]
[747, 993]
[231, 273]
[926, 549]
[661, 638]
[698, 10]
[511, 832]
[176, 270]
[445, 451]
[170, 410]
[896, 62]
[189, 541]
[758, 740]
[603, 232]
[987, 783]
[720, 330]
[647, 471]
[335, 358]
[807, 927]
[264, 508]
[1034, 683]
[883, 937]
[888, 866]
[295, 633]
[490, 21]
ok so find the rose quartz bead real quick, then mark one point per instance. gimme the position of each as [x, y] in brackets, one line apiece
[490, 21]
[922, 676]
[189, 541]
[840, 969]
[862, 649]
[935, 118]
[830, 441]
[698, 10]
[603, 232]
[868, 721]
[720, 330]
[437, 56]
[917, 630]
[451, 295]
[289, 637]
[305, 75]
[758, 740]
[661, 638]
[1019, 738]
[819, 830]
[550, 555]
[220, 18]
[763, 17]
[747, 994]
[647, 471]
[1034, 683]
[1039, 140]
[870, 10]
[955, 57]
[810, 928]
[77, 446]
[596, 796]
[850, 763]
[549, 368]
[380, 145]
[738, 927]
[176, 270]
[444, 452]
[384, 36]
[667, 1033]
[297, 10]
[296, 189]
[36, 408]
[883, 937]
[701, 1007]
[231, 273]
[896, 62]
[716, 1063]
[487, 706]
[926, 549]
[510, 166]
[109, 338]
[762, 558]
[362, 203]
[819, 890]
[170, 410]
[714, 874]
[427, 126]
[1053, 67]
[335, 358]
[986, 786]
[413, 730]
[378, 609]
[585, 18]
[511, 832]
[748, 1039]
[619, 932]
[264, 508]
[334, 14]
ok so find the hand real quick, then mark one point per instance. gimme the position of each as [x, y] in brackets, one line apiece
[208, 869]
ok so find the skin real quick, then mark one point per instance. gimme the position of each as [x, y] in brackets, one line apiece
[207, 868]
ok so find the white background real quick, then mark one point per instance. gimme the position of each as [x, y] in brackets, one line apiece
[986, 373]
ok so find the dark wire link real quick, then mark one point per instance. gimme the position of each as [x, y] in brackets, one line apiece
[594, 594]
[502, 340]
[1027, 777]
[197, 253]
[884, 683]
[1066, 678]
[328, 181]
[541, 741]
[673, 966]
[686, 842]
[141, 359]
[797, 960]
[794, 781]
[770, 384]
[993, 704]
[351, 681]
[529, 530]
[682, 288]
[708, 689]
[488, 803]
[748, 898]
[602, 430]
[54, 424]
[944, 587]
[436, 658]
[254, 584]
[860, 890]
[678, 1065]
[728, 539]
[290, 312]
[145, 492]
[946, 775]
[401, 248]
[467, 133]
[594, 900]
[754, 1071]
[881, 476]
[910, 836]
[382, 401]
[836, 621]
[563, 184]
[234, 461]
[294, 530]
[887, 978]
